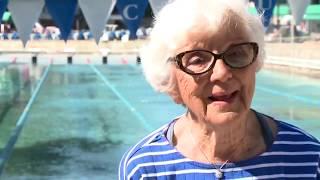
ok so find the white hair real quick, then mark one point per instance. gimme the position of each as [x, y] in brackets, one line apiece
[181, 18]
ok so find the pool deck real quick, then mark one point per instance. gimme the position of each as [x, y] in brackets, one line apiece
[301, 58]
[294, 57]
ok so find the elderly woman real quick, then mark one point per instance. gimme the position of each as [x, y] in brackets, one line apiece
[205, 55]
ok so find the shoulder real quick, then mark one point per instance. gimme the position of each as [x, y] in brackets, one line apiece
[293, 151]
[293, 141]
[293, 133]
[144, 152]
[298, 150]
[289, 132]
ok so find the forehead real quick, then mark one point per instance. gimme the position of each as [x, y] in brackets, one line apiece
[220, 39]
[205, 36]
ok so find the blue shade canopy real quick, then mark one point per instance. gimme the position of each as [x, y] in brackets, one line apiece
[132, 11]
[62, 12]
[265, 9]
[3, 6]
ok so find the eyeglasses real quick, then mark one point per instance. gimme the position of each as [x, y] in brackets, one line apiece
[196, 62]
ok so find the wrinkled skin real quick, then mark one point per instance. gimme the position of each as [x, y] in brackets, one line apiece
[222, 81]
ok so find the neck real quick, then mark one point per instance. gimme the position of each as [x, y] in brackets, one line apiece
[220, 143]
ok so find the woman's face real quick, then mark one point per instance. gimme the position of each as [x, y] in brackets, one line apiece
[223, 93]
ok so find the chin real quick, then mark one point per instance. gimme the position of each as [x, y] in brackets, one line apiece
[219, 117]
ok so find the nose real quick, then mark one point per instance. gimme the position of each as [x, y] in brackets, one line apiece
[220, 72]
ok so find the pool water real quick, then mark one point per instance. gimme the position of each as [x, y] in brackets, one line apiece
[84, 117]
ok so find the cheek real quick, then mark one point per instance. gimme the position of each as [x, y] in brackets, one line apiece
[189, 88]
[251, 88]
[248, 84]
[186, 88]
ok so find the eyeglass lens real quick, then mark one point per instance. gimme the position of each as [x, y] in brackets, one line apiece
[236, 56]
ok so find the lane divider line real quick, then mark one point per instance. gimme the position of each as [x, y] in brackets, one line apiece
[20, 123]
[290, 96]
[123, 99]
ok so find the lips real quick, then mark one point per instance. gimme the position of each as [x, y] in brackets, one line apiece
[222, 97]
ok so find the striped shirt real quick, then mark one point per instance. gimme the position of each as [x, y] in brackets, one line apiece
[293, 155]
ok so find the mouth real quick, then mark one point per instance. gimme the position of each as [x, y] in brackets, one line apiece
[227, 98]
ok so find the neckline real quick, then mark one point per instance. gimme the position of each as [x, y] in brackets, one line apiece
[229, 164]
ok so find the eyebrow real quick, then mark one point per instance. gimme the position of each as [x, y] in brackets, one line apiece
[218, 52]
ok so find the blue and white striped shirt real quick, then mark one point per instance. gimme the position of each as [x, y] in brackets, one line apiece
[293, 155]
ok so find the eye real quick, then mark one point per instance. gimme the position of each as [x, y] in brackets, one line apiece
[239, 56]
[197, 58]
[237, 52]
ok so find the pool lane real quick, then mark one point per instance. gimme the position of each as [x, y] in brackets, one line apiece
[17, 83]
[156, 108]
[15, 133]
[76, 128]
[130, 107]
[289, 97]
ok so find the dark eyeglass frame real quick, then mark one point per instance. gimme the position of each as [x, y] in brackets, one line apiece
[178, 57]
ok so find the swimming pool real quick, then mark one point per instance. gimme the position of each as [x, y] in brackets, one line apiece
[82, 118]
